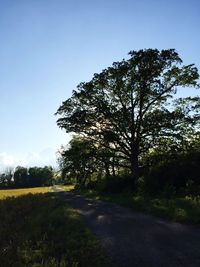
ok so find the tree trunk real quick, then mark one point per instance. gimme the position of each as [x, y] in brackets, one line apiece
[106, 164]
[134, 164]
[134, 167]
[113, 166]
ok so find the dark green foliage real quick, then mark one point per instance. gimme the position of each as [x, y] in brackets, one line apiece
[126, 110]
[40, 230]
[178, 172]
[78, 162]
[20, 177]
[82, 159]
[113, 184]
[27, 177]
[6, 179]
[127, 119]
[38, 176]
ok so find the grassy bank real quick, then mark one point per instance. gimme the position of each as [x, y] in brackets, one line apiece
[185, 209]
[40, 230]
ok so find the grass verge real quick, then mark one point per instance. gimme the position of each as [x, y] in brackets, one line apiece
[41, 230]
[185, 210]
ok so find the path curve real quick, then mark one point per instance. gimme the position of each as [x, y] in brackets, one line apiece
[135, 239]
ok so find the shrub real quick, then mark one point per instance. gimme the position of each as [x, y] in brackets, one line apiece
[180, 172]
[115, 184]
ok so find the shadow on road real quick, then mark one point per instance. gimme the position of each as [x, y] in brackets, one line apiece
[135, 239]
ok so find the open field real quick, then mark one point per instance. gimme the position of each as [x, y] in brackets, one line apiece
[23, 191]
[67, 187]
[41, 230]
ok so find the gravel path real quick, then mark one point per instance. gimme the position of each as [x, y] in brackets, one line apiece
[134, 239]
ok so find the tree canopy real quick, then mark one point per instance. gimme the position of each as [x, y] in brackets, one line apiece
[126, 107]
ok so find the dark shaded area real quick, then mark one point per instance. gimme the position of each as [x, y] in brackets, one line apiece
[173, 173]
[41, 230]
[135, 239]
[164, 174]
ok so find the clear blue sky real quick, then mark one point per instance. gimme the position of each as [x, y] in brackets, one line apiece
[48, 46]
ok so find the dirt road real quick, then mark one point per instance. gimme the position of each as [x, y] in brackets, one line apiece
[134, 239]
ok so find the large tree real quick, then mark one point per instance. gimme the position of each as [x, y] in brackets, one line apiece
[124, 108]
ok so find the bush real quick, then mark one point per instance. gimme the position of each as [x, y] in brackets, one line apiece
[115, 184]
[180, 173]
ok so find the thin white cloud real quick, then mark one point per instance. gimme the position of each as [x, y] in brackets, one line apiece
[7, 160]
[45, 157]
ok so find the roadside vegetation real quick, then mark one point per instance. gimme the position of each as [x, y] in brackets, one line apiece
[41, 230]
[178, 209]
[135, 142]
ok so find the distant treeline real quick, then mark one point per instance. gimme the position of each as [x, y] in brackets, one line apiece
[27, 177]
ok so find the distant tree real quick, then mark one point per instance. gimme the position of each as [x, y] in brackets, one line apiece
[2, 180]
[33, 176]
[6, 178]
[20, 177]
[47, 175]
[125, 108]
[40, 176]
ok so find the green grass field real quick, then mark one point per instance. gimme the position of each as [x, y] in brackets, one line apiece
[39, 229]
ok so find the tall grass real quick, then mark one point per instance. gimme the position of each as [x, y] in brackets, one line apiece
[41, 230]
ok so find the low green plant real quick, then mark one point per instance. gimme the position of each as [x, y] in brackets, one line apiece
[41, 230]
[181, 209]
